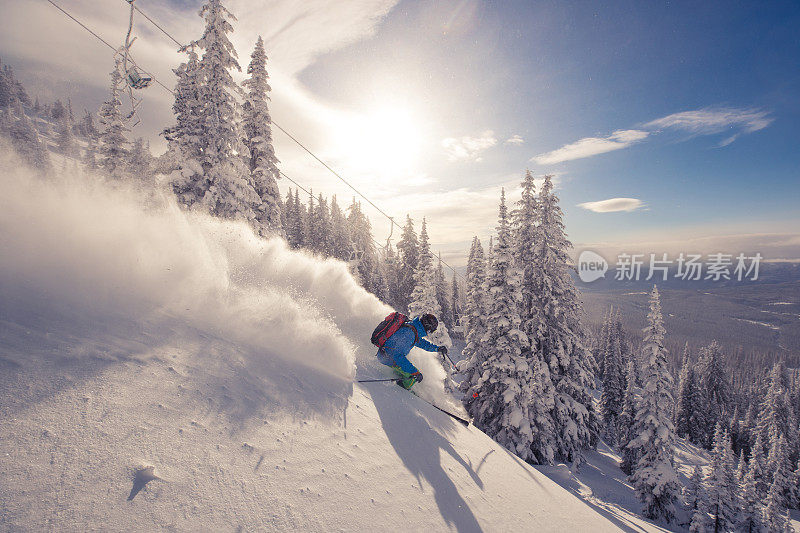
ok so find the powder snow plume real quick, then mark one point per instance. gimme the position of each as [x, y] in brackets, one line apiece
[109, 250]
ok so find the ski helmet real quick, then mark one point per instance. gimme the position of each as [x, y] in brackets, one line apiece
[429, 322]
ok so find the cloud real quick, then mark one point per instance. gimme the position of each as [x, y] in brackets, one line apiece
[613, 205]
[468, 148]
[590, 146]
[709, 121]
[515, 140]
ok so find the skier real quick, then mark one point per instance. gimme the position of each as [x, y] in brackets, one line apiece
[395, 350]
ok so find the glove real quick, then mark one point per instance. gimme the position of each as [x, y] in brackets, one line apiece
[418, 376]
[442, 350]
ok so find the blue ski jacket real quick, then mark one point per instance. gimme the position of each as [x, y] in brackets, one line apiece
[395, 351]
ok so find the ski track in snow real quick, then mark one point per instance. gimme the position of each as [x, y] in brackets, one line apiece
[164, 370]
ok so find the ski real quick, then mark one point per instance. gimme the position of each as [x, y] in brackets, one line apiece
[459, 419]
[448, 413]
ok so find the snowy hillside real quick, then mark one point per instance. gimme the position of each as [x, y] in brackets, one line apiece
[169, 370]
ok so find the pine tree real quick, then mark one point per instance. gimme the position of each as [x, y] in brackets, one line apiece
[297, 223]
[613, 396]
[185, 136]
[775, 508]
[112, 140]
[471, 366]
[714, 384]
[340, 232]
[751, 509]
[776, 415]
[794, 487]
[629, 450]
[779, 468]
[408, 249]
[140, 160]
[214, 174]
[526, 254]
[721, 483]
[455, 301]
[559, 336]
[654, 476]
[257, 129]
[25, 139]
[699, 519]
[361, 238]
[443, 296]
[505, 385]
[683, 405]
[321, 235]
[65, 137]
[692, 494]
[758, 465]
[423, 299]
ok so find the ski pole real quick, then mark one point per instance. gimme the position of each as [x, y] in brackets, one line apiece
[451, 361]
[375, 380]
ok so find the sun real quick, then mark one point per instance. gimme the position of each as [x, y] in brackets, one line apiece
[385, 141]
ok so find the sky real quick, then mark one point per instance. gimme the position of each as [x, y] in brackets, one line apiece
[668, 126]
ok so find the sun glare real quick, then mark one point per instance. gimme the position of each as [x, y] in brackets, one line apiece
[386, 141]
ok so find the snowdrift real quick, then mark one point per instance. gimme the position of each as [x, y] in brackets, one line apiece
[162, 369]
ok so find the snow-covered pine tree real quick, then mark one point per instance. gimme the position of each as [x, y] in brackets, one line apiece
[506, 382]
[475, 310]
[629, 450]
[794, 487]
[693, 492]
[389, 267]
[340, 232]
[530, 260]
[443, 296]
[776, 414]
[715, 386]
[559, 336]
[25, 139]
[683, 407]
[721, 484]
[424, 300]
[654, 476]
[423, 297]
[140, 160]
[690, 411]
[184, 137]
[112, 140]
[408, 249]
[775, 507]
[613, 395]
[298, 222]
[361, 238]
[321, 236]
[699, 517]
[525, 223]
[779, 468]
[455, 301]
[65, 136]
[257, 129]
[751, 509]
[221, 183]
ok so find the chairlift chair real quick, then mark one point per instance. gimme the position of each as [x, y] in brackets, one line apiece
[136, 80]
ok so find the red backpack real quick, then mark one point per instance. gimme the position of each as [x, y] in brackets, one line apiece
[389, 326]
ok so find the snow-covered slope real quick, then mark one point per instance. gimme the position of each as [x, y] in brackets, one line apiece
[137, 338]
